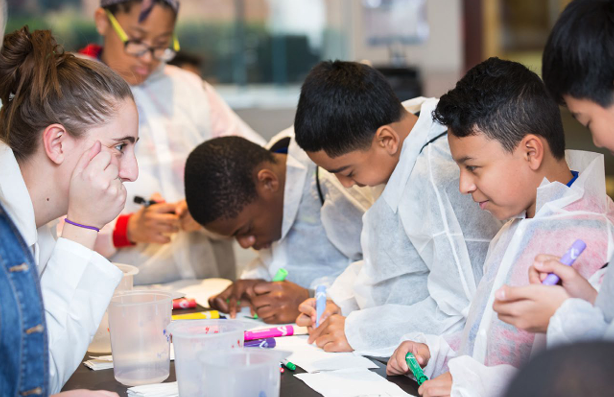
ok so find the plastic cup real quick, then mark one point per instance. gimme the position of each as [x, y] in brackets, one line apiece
[101, 343]
[140, 342]
[193, 338]
[242, 373]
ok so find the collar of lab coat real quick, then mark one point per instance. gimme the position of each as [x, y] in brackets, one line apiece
[424, 130]
[590, 183]
[15, 196]
[297, 167]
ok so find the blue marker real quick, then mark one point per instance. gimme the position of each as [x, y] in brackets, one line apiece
[320, 302]
[568, 259]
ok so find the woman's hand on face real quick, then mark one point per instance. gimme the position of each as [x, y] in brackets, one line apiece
[96, 194]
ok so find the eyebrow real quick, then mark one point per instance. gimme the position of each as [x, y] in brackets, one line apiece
[463, 160]
[130, 139]
[335, 171]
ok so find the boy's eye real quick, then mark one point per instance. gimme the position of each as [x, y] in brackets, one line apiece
[471, 168]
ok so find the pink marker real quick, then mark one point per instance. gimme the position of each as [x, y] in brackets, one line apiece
[286, 330]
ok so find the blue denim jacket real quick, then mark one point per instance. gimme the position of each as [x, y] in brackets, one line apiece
[24, 355]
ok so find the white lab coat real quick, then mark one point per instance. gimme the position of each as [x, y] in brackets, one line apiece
[484, 356]
[177, 112]
[577, 320]
[318, 241]
[76, 283]
[424, 245]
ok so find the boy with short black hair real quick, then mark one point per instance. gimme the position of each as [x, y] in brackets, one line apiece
[506, 135]
[423, 242]
[296, 215]
[578, 69]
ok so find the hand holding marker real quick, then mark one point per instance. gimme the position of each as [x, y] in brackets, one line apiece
[415, 368]
[568, 259]
[320, 302]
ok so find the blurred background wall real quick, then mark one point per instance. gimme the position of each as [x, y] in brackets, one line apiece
[257, 52]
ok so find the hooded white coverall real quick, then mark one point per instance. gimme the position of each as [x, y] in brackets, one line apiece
[318, 241]
[177, 112]
[484, 356]
[424, 245]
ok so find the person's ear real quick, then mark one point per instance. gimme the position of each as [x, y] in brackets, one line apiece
[267, 183]
[533, 149]
[56, 143]
[387, 138]
[102, 21]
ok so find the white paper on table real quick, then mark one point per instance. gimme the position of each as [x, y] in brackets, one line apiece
[351, 383]
[313, 359]
[200, 290]
[169, 389]
[98, 363]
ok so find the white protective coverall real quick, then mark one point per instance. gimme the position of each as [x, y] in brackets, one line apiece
[424, 245]
[76, 283]
[577, 320]
[177, 112]
[318, 241]
[484, 356]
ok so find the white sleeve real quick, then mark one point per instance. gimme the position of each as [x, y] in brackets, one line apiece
[471, 378]
[375, 330]
[440, 350]
[77, 285]
[224, 121]
[576, 320]
[342, 290]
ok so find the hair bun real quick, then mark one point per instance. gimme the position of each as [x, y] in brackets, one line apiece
[29, 62]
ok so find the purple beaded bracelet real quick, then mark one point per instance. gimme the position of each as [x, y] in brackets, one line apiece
[80, 225]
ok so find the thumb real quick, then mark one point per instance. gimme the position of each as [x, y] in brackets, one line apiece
[87, 156]
[507, 293]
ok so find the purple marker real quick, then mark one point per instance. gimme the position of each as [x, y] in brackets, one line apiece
[568, 259]
[268, 343]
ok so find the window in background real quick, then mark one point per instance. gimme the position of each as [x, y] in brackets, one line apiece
[239, 41]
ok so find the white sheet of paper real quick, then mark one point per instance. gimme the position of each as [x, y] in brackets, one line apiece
[313, 359]
[169, 389]
[351, 383]
[200, 290]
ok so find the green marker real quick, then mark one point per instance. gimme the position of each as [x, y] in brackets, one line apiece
[288, 364]
[412, 363]
[280, 275]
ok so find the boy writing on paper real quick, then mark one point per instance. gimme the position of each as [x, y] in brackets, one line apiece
[578, 69]
[278, 202]
[506, 135]
[423, 242]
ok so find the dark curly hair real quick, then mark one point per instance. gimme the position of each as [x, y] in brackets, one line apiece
[219, 177]
[505, 101]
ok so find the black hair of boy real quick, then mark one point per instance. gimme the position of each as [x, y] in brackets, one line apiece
[579, 56]
[341, 106]
[505, 101]
[219, 177]
[581, 369]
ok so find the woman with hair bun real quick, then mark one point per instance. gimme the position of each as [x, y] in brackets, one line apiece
[68, 127]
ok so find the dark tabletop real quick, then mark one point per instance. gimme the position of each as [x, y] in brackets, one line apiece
[85, 378]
